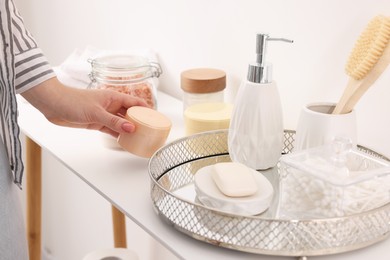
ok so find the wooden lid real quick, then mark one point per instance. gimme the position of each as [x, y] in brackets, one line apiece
[203, 80]
[148, 120]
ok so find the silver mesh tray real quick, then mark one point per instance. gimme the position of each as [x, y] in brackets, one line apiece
[172, 170]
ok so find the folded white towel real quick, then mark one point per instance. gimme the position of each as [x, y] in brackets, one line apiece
[78, 67]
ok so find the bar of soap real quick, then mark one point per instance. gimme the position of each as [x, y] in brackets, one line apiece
[209, 194]
[234, 179]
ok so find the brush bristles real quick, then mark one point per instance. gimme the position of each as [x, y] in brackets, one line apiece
[369, 47]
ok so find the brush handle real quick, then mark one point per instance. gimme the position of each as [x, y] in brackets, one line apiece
[356, 88]
[352, 87]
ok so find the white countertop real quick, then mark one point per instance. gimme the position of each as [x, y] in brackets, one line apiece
[123, 180]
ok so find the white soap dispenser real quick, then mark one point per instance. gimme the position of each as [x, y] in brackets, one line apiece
[256, 126]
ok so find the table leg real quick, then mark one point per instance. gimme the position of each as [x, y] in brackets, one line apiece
[34, 198]
[119, 228]
[34, 204]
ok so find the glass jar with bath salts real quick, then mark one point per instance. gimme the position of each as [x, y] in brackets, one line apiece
[202, 85]
[129, 74]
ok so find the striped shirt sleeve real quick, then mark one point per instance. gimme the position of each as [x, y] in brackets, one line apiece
[31, 66]
[22, 66]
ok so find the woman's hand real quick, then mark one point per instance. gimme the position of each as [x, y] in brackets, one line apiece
[101, 110]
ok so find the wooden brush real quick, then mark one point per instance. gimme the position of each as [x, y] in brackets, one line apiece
[367, 61]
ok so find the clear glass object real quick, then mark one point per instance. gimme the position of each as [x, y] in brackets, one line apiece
[332, 180]
[129, 74]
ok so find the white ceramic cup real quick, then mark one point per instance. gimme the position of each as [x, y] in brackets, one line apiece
[318, 126]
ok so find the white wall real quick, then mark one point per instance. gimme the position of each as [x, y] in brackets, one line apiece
[221, 34]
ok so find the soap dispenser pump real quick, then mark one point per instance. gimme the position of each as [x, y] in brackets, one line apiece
[255, 135]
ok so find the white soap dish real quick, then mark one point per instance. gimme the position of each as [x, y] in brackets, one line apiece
[208, 194]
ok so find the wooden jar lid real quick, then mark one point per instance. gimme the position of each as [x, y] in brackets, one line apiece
[203, 80]
[148, 120]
